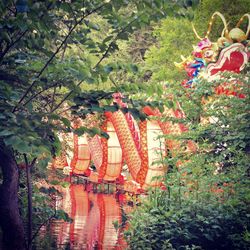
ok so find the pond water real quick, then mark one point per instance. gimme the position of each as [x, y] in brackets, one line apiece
[94, 216]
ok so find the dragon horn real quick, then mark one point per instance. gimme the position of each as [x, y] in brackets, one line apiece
[183, 58]
[195, 32]
[225, 30]
[241, 20]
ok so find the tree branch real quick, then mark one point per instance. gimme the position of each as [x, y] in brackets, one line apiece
[72, 11]
[43, 224]
[65, 98]
[113, 81]
[53, 98]
[19, 38]
[98, 63]
[63, 111]
[40, 92]
[112, 42]
[11, 45]
[29, 196]
[12, 11]
[10, 78]
[55, 53]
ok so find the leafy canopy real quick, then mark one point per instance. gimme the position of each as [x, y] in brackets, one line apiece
[53, 50]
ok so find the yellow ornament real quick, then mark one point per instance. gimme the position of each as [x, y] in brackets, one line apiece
[185, 61]
[236, 34]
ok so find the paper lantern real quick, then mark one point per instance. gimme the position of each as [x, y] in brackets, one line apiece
[153, 151]
[156, 152]
[140, 156]
[103, 167]
[139, 151]
[143, 153]
[172, 128]
[114, 159]
[81, 157]
[111, 166]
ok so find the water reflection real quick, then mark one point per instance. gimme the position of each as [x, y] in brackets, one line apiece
[93, 215]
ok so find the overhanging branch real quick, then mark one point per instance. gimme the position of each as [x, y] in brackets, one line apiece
[98, 63]
[55, 53]
[115, 38]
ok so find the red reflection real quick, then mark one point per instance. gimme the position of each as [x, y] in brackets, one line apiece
[93, 217]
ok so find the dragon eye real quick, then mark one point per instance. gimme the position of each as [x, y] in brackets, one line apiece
[208, 53]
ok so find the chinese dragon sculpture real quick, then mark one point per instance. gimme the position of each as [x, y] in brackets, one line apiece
[140, 145]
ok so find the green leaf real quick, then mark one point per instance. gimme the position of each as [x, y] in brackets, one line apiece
[111, 108]
[134, 68]
[96, 131]
[13, 140]
[55, 182]
[104, 135]
[108, 69]
[66, 122]
[97, 109]
[6, 133]
[22, 147]
[93, 26]
[124, 36]
[5, 36]
[80, 131]
[43, 163]
[107, 39]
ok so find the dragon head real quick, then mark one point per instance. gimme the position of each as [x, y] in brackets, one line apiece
[229, 53]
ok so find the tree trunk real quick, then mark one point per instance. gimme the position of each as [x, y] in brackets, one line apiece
[29, 186]
[10, 219]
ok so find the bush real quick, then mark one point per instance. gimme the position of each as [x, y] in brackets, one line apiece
[215, 226]
[206, 204]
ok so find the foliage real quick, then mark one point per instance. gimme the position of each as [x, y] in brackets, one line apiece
[174, 38]
[130, 58]
[191, 227]
[206, 202]
[49, 49]
[51, 52]
[44, 200]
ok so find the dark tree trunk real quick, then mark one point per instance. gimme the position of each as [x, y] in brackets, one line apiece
[29, 186]
[10, 219]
